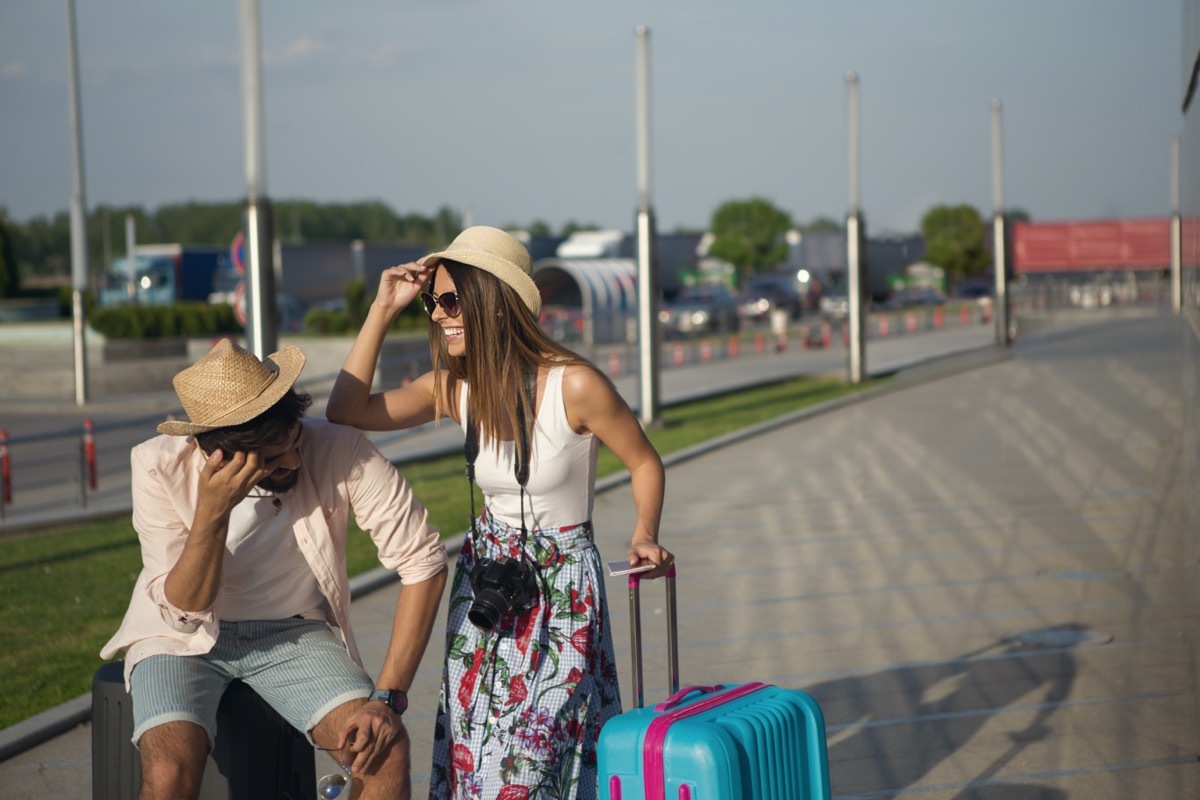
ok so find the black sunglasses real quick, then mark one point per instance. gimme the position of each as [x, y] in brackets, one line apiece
[447, 300]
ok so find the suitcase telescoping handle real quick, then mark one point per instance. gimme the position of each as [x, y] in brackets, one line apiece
[635, 632]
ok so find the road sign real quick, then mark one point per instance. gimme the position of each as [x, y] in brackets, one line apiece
[237, 251]
[239, 302]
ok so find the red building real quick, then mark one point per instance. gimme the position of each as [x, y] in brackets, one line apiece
[1091, 246]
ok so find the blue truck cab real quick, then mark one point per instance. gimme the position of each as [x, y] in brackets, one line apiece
[164, 274]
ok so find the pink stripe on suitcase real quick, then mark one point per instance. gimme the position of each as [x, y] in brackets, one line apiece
[656, 734]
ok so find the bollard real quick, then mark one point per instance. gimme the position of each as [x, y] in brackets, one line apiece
[884, 325]
[734, 345]
[706, 350]
[678, 357]
[965, 314]
[758, 342]
[614, 363]
[910, 322]
[82, 476]
[5, 473]
[826, 334]
[89, 452]
[939, 317]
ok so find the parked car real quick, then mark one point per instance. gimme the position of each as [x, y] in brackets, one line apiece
[977, 291]
[914, 297]
[765, 293]
[697, 310]
[835, 306]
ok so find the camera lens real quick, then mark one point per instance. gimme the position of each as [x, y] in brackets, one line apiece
[487, 609]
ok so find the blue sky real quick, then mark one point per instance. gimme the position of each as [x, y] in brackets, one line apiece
[515, 111]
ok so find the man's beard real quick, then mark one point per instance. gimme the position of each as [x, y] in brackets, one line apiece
[280, 485]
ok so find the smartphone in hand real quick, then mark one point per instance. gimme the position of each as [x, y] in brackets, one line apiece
[616, 568]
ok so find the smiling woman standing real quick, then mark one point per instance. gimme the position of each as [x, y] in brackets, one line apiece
[529, 674]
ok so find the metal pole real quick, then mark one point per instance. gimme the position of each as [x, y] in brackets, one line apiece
[1176, 232]
[855, 272]
[260, 271]
[648, 333]
[635, 639]
[999, 228]
[131, 256]
[79, 253]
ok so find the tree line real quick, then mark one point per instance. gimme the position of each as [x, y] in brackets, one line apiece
[748, 233]
[37, 252]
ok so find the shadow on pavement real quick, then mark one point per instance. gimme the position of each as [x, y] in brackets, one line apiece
[910, 720]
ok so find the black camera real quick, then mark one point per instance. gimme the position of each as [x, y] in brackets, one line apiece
[500, 585]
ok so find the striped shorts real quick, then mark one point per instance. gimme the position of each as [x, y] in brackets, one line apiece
[299, 666]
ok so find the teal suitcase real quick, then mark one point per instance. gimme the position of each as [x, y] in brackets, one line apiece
[749, 741]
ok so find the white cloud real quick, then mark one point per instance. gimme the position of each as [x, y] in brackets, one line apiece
[14, 69]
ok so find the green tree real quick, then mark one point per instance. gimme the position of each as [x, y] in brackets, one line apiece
[822, 225]
[749, 234]
[10, 281]
[571, 226]
[954, 240]
[446, 224]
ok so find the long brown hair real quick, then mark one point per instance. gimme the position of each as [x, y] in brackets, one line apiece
[503, 342]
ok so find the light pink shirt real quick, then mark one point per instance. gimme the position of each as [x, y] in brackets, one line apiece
[340, 470]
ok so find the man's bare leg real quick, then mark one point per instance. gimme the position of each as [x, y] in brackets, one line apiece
[173, 757]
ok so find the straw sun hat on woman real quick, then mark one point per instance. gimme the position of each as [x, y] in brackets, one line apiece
[229, 386]
[492, 250]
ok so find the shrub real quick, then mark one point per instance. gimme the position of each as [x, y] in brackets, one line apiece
[195, 320]
[324, 320]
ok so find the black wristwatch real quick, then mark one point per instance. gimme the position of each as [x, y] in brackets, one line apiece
[395, 699]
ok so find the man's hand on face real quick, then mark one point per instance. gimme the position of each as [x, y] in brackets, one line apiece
[225, 483]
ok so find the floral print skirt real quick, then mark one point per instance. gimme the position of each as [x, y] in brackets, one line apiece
[521, 705]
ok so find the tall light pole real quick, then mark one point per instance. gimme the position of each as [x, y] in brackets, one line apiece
[856, 283]
[999, 228]
[260, 271]
[79, 250]
[648, 334]
[131, 253]
[1176, 232]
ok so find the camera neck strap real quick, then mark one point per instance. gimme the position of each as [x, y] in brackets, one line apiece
[523, 453]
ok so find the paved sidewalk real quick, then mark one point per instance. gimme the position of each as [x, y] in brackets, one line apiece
[981, 575]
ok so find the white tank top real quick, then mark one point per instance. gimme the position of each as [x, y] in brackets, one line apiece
[562, 469]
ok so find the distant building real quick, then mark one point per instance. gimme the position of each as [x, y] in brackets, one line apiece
[887, 259]
[675, 254]
[1046, 249]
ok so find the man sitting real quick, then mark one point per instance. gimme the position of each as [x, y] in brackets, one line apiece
[242, 513]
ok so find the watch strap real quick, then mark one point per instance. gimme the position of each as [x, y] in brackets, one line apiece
[395, 699]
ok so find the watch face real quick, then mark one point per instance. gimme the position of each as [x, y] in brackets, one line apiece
[398, 701]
